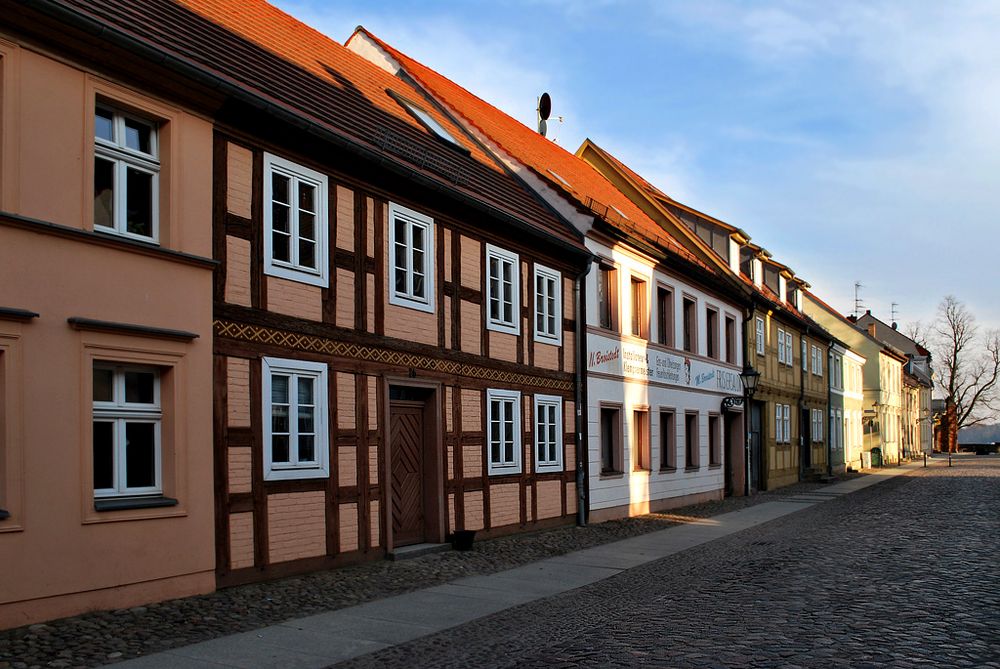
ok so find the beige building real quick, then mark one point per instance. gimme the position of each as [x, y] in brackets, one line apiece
[105, 331]
[854, 409]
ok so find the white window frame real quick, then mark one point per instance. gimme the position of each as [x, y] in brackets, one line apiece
[805, 358]
[124, 158]
[503, 256]
[555, 277]
[760, 335]
[320, 467]
[555, 402]
[789, 349]
[778, 424]
[782, 343]
[817, 361]
[291, 270]
[511, 399]
[788, 423]
[120, 412]
[412, 219]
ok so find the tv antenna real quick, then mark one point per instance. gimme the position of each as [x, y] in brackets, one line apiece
[543, 110]
[893, 311]
[858, 304]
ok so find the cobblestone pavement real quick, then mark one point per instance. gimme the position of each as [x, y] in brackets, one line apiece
[105, 637]
[903, 574]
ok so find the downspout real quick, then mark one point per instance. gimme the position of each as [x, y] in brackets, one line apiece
[582, 458]
[747, 446]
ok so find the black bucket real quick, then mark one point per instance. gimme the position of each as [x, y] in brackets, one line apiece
[461, 540]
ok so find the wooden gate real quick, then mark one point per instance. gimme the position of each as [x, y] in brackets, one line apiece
[407, 439]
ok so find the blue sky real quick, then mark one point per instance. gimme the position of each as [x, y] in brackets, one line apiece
[854, 140]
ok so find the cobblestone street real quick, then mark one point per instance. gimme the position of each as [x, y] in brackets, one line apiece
[902, 574]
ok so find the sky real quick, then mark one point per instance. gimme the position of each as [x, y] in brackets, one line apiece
[856, 141]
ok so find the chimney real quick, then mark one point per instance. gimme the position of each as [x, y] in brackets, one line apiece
[871, 328]
[868, 312]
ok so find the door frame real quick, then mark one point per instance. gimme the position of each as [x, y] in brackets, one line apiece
[433, 456]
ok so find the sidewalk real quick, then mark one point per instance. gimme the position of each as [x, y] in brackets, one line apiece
[325, 639]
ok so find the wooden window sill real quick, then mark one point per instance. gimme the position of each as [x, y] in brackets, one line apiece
[123, 503]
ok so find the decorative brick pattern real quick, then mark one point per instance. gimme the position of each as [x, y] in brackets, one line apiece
[325, 345]
[344, 316]
[472, 410]
[373, 388]
[240, 540]
[447, 322]
[238, 392]
[294, 299]
[348, 527]
[347, 466]
[549, 499]
[451, 513]
[346, 405]
[237, 271]
[473, 511]
[370, 303]
[239, 180]
[240, 470]
[296, 525]
[546, 356]
[472, 460]
[370, 222]
[503, 346]
[345, 218]
[449, 406]
[375, 522]
[472, 262]
[472, 328]
[447, 254]
[411, 324]
[505, 504]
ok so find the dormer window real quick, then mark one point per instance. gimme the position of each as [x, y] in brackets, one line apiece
[428, 122]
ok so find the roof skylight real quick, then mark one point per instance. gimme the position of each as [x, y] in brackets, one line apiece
[557, 176]
[429, 122]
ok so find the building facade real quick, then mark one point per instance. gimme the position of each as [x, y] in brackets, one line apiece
[105, 328]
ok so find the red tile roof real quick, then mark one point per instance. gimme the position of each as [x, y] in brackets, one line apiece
[582, 182]
[259, 48]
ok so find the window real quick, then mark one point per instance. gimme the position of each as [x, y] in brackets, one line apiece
[126, 424]
[548, 433]
[714, 441]
[640, 319]
[502, 290]
[781, 346]
[428, 121]
[295, 222]
[730, 340]
[712, 334]
[691, 445]
[817, 425]
[411, 240]
[640, 440]
[504, 431]
[668, 440]
[607, 310]
[817, 361]
[690, 325]
[611, 456]
[787, 423]
[789, 349]
[296, 432]
[548, 305]
[779, 435]
[664, 316]
[126, 175]
[805, 363]
[759, 335]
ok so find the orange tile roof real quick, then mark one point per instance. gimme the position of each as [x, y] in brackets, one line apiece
[585, 184]
[261, 49]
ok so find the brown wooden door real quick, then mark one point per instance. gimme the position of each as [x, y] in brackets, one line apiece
[407, 443]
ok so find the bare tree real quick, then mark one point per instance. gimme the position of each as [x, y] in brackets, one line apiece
[918, 332]
[968, 362]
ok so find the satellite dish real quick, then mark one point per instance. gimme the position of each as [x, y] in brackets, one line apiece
[544, 107]
[542, 127]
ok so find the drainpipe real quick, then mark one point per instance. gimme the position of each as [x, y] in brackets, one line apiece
[582, 457]
[748, 315]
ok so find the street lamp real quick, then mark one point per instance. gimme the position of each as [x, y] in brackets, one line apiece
[750, 378]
